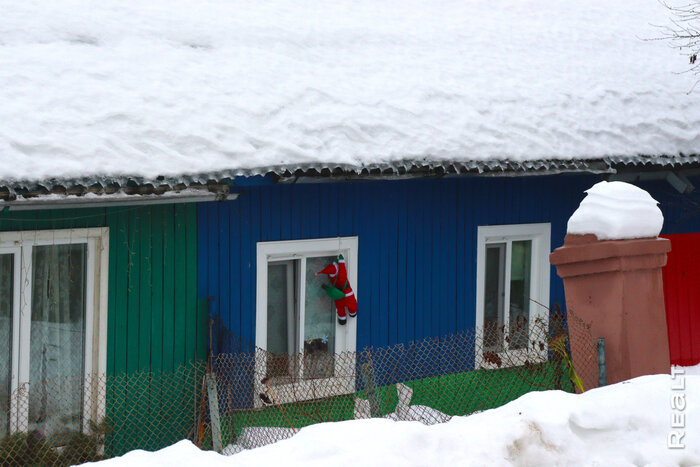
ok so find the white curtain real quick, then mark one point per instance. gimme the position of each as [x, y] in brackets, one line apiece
[57, 339]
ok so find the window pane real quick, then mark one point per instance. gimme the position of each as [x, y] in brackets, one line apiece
[520, 293]
[280, 317]
[57, 348]
[319, 322]
[494, 296]
[6, 301]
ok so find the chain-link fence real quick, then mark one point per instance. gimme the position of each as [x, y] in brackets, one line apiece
[141, 410]
[245, 397]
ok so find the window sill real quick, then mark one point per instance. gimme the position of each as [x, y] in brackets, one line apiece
[496, 360]
[285, 390]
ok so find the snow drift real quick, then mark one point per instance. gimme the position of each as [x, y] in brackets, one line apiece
[126, 87]
[622, 424]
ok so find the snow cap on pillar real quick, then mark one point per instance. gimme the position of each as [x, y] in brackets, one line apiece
[617, 211]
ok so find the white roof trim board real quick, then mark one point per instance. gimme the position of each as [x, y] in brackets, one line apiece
[63, 201]
[122, 89]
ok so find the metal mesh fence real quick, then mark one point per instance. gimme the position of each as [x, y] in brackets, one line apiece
[141, 410]
[246, 397]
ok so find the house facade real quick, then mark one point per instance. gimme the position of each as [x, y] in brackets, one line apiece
[132, 288]
[167, 167]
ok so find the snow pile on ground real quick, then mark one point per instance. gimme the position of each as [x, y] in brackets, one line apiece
[689, 370]
[419, 413]
[252, 437]
[163, 87]
[622, 424]
[616, 211]
[258, 436]
[404, 411]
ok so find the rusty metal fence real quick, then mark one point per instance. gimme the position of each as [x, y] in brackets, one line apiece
[246, 397]
[141, 410]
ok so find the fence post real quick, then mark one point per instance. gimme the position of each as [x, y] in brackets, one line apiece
[601, 362]
[214, 412]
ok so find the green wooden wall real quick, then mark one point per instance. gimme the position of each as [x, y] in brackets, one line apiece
[153, 317]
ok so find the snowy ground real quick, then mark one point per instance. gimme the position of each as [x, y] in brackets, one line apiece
[622, 424]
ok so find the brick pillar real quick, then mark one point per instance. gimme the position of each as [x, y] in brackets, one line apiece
[616, 286]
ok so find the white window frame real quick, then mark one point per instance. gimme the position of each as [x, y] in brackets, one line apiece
[540, 235]
[20, 244]
[345, 335]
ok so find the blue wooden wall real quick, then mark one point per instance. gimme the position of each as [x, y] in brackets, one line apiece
[681, 212]
[417, 242]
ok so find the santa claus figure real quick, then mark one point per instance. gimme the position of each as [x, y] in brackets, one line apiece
[339, 289]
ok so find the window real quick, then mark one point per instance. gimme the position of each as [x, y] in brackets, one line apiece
[296, 320]
[53, 305]
[512, 278]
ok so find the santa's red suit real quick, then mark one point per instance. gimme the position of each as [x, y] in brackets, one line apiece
[338, 274]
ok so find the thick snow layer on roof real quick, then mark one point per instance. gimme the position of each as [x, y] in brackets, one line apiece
[616, 211]
[127, 87]
[622, 424]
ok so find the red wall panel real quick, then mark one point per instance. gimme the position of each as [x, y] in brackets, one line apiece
[682, 297]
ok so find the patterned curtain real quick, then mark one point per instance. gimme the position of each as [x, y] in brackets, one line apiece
[57, 339]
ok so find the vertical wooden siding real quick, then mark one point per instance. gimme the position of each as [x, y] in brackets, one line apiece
[682, 297]
[152, 309]
[681, 212]
[681, 274]
[417, 241]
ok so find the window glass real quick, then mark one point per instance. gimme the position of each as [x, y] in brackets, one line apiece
[280, 308]
[6, 305]
[57, 341]
[520, 293]
[319, 321]
[494, 296]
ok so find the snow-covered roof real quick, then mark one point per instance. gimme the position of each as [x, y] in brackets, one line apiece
[166, 88]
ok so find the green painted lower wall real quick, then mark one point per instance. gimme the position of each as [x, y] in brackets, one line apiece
[453, 394]
[465, 393]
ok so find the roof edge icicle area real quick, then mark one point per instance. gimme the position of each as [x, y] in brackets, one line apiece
[218, 181]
